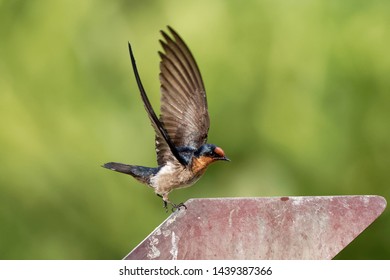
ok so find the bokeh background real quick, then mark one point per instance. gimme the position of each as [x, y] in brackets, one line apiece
[299, 98]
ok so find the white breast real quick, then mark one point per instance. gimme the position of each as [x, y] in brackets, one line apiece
[172, 176]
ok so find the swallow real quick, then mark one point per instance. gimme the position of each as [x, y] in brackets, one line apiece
[183, 153]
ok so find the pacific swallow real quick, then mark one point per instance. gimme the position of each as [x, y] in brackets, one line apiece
[183, 153]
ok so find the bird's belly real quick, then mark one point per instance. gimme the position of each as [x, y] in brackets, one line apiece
[172, 177]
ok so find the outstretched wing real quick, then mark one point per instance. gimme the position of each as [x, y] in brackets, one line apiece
[184, 113]
[161, 134]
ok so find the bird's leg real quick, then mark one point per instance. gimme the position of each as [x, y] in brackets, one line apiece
[174, 206]
[164, 202]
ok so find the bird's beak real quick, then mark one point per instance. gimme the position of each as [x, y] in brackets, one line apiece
[220, 154]
[224, 158]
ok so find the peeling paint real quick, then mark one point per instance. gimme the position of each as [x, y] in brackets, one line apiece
[298, 200]
[171, 220]
[175, 249]
[261, 228]
[230, 217]
[153, 251]
[366, 200]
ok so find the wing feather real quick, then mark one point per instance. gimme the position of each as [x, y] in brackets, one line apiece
[183, 113]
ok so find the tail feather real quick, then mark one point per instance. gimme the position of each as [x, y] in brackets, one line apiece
[141, 173]
[119, 167]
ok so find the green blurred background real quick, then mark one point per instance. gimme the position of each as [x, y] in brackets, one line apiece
[299, 99]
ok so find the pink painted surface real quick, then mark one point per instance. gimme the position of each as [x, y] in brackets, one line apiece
[261, 228]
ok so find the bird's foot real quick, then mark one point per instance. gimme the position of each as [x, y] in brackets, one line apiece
[178, 206]
[174, 206]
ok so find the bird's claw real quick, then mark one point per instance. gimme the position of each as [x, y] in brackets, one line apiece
[174, 206]
[178, 206]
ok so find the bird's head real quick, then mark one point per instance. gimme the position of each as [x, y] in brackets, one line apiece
[205, 155]
[212, 152]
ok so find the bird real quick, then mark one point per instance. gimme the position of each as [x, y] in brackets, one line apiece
[181, 130]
